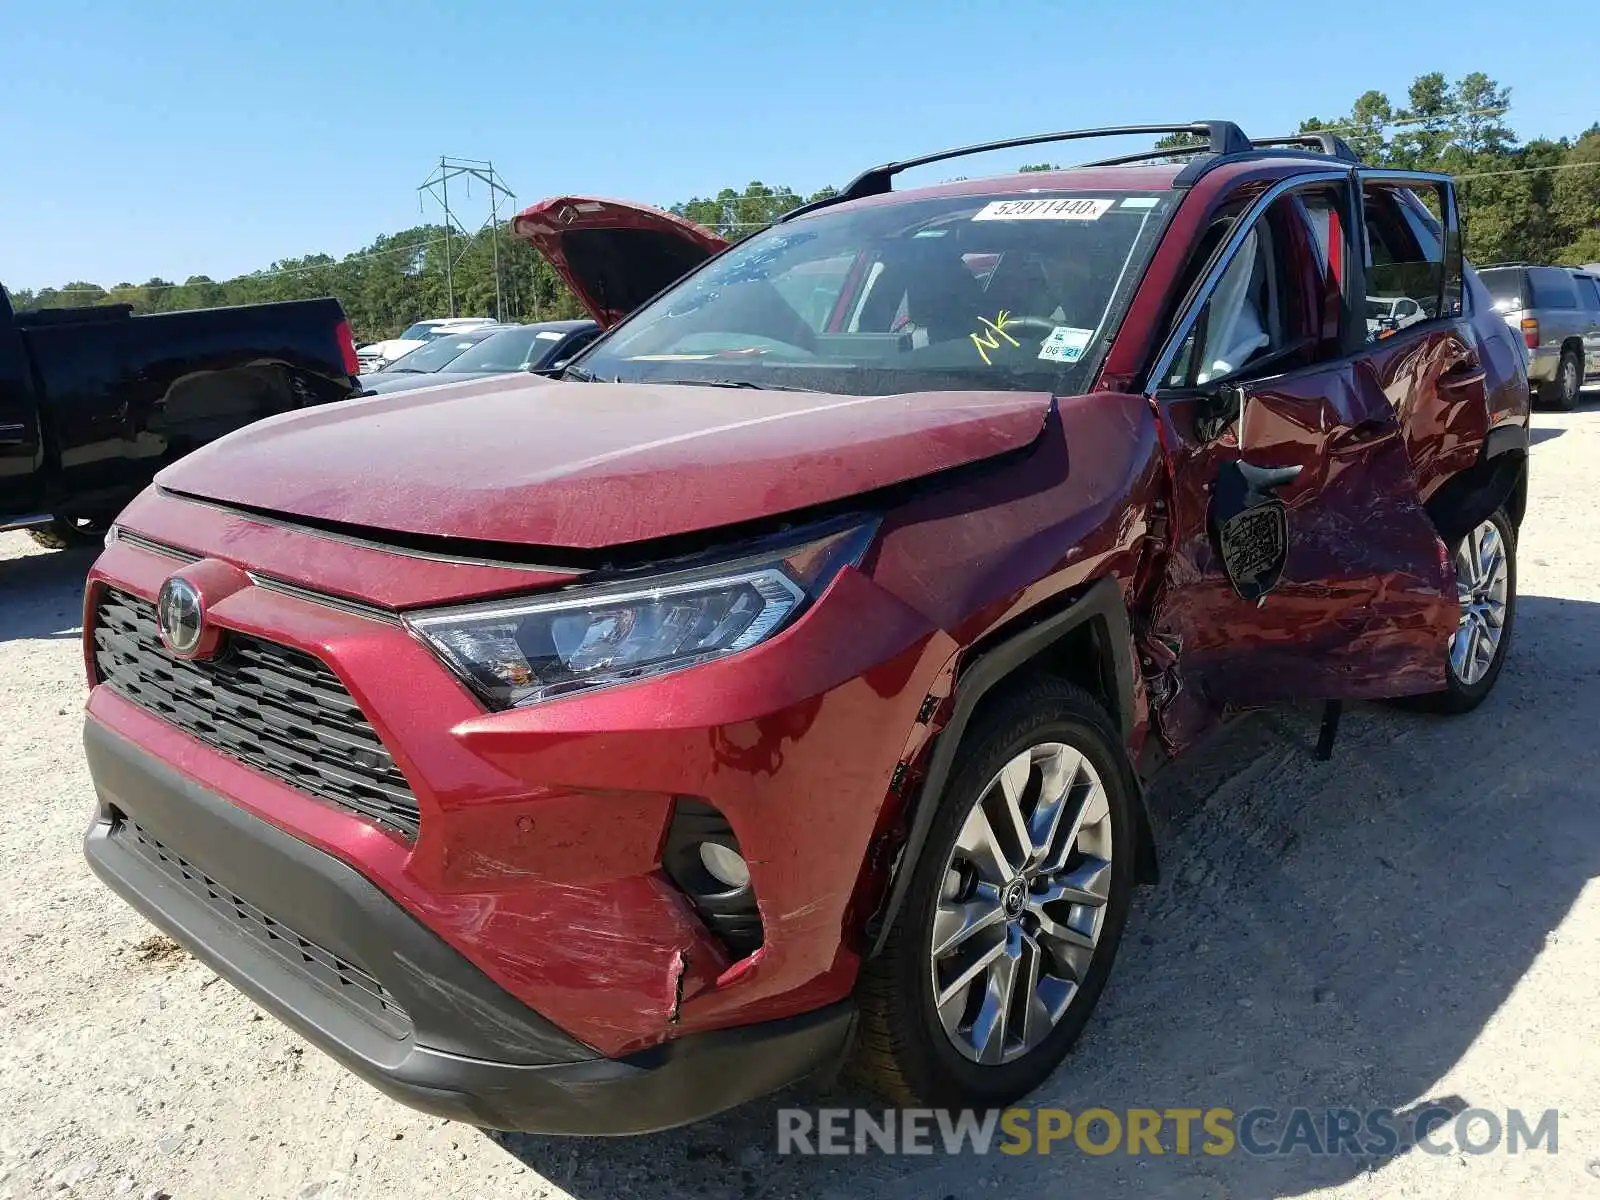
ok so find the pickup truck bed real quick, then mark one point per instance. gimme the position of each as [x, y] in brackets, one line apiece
[94, 401]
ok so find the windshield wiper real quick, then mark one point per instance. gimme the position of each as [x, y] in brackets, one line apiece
[406, 371]
[733, 383]
[574, 374]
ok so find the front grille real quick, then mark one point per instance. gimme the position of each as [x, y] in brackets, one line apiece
[280, 710]
[344, 980]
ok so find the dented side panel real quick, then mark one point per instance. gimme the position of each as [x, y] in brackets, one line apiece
[1438, 385]
[1365, 598]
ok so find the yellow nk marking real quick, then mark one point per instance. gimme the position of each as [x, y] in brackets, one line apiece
[986, 342]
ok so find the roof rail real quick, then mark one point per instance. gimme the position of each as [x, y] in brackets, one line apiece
[1491, 266]
[1324, 143]
[1221, 137]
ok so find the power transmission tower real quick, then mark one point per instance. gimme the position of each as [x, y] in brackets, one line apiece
[437, 186]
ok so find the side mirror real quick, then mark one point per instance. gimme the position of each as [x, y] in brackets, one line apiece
[1219, 410]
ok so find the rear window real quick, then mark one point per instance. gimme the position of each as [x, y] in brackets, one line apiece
[1016, 291]
[1589, 291]
[1552, 288]
[1505, 286]
[509, 350]
[437, 353]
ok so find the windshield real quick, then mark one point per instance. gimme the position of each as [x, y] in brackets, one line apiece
[508, 350]
[1379, 308]
[417, 332]
[1505, 286]
[438, 353]
[1013, 292]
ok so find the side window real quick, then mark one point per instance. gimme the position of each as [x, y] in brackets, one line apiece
[1408, 258]
[1326, 211]
[1589, 289]
[574, 345]
[1275, 306]
[1552, 288]
[1242, 320]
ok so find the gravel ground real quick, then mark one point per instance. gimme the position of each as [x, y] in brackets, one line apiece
[1415, 921]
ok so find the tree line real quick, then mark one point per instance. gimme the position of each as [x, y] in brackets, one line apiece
[1535, 201]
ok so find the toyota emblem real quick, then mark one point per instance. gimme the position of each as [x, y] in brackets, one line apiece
[180, 616]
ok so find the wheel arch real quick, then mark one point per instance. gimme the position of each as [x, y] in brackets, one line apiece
[1088, 642]
[1498, 479]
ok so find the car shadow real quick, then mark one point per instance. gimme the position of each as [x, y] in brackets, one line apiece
[1324, 935]
[41, 595]
[1543, 434]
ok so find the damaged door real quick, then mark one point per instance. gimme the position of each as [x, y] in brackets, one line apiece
[1302, 564]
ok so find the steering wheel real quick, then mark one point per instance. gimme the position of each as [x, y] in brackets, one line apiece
[1048, 326]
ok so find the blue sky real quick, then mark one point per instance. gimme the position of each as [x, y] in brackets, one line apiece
[172, 138]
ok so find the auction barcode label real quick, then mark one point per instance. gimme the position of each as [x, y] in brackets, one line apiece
[1056, 209]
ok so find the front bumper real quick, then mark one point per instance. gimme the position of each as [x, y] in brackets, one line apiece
[324, 950]
[541, 830]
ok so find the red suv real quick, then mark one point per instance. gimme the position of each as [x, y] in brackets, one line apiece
[775, 686]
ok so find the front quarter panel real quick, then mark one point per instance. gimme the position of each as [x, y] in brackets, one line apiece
[1076, 508]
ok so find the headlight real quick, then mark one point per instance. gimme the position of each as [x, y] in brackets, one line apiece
[517, 653]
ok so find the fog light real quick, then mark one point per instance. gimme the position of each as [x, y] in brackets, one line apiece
[701, 855]
[726, 866]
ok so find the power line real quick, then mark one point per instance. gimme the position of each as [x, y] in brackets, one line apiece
[1402, 121]
[414, 247]
[1526, 170]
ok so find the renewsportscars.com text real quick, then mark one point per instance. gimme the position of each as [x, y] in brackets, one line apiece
[1258, 1132]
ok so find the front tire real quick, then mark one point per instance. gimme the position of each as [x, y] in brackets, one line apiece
[1486, 584]
[1016, 906]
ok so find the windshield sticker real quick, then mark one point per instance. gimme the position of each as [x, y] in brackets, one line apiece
[1065, 344]
[988, 338]
[1141, 202]
[548, 335]
[1057, 209]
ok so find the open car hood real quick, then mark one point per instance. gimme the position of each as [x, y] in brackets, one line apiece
[548, 463]
[614, 254]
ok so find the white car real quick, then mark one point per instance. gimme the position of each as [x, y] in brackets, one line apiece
[1391, 313]
[374, 356]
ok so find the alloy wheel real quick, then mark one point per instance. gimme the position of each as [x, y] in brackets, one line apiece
[1023, 902]
[1571, 382]
[1482, 582]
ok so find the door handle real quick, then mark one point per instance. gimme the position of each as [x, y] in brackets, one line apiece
[1262, 481]
[1465, 374]
[1361, 432]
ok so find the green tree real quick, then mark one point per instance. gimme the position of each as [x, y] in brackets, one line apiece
[1363, 129]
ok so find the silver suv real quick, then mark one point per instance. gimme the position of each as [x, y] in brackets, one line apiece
[1557, 311]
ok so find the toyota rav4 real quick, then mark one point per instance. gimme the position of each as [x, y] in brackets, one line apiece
[774, 688]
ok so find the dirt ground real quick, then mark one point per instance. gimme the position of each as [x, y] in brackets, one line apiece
[1417, 920]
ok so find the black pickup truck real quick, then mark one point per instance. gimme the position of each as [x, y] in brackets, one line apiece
[94, 401]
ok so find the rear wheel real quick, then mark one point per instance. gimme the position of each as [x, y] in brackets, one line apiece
[1564, 391]
[1486, 585]
[65, 533]
[1016, 906]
